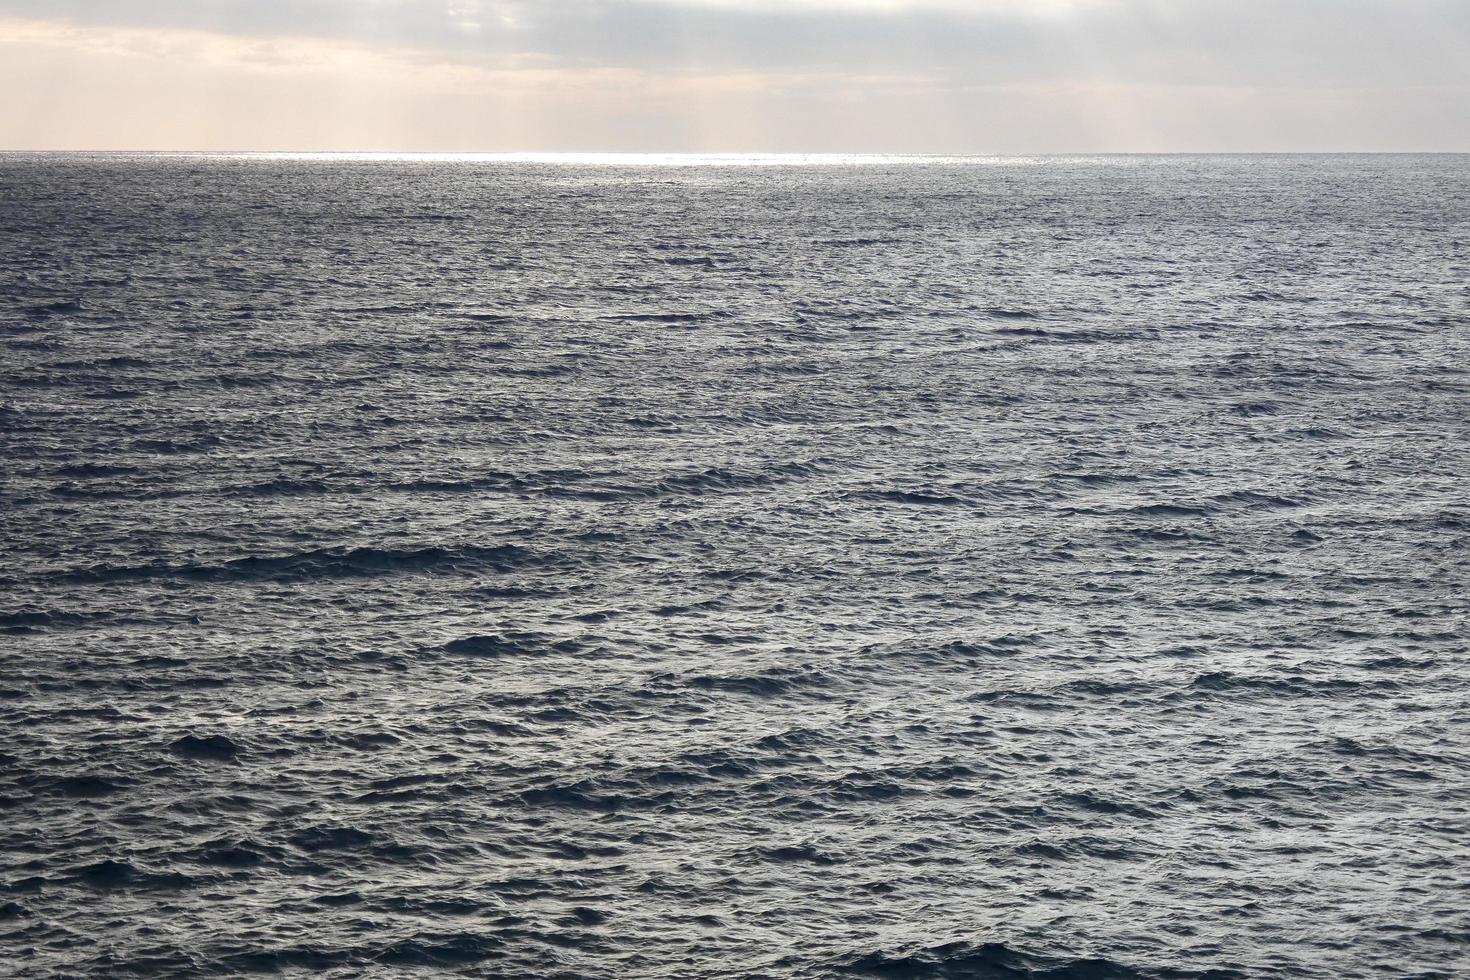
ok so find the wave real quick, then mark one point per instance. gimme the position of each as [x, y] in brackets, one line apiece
[512, 644]
[432, 950]
[42, 311]
[214, 748]
[912, 497]
[997, 961]
[111, 874]
[328, 563]
[674, 318]
[807, 680]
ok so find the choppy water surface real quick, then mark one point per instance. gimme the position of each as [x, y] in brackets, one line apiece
[955, 569]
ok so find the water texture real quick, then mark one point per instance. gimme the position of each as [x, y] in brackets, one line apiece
[1044, 568]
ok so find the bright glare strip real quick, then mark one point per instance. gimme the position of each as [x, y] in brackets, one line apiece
[1044, 8]
[642, 159]
[570, 159]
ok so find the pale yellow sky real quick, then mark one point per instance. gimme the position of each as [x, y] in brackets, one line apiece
[731, 75]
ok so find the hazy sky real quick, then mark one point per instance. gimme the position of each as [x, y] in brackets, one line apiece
[1012, 76]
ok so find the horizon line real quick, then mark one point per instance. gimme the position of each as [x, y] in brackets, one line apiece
[919, 154]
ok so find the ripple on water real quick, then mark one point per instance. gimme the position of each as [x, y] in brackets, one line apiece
[1043, 569]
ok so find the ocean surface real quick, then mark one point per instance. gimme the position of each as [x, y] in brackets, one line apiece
[723, 567]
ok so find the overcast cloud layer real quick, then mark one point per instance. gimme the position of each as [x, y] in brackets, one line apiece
[882, 75]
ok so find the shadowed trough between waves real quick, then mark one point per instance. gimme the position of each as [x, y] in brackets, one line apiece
[881, 568]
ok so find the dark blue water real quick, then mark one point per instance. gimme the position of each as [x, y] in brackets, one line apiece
[1031, 568]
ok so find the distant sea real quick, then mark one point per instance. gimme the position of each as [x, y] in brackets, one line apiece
[661, 567]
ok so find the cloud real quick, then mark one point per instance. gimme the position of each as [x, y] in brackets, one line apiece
[1187, 41]
[722, 74]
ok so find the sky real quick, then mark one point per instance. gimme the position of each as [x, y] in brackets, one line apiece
[886, 76]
